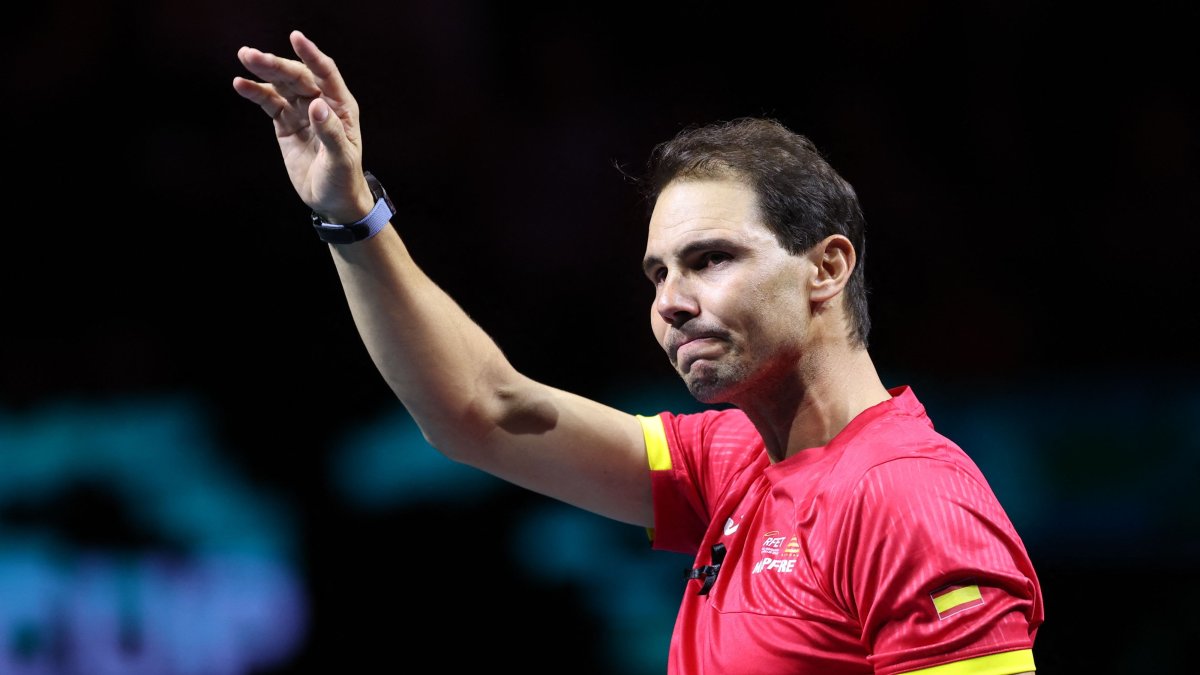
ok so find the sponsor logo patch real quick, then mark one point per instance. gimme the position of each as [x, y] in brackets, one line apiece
[779, 553]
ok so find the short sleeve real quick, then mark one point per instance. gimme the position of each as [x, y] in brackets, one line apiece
[937, 573]
[693, 459]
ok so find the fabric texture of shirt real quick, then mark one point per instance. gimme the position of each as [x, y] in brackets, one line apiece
[884, 551]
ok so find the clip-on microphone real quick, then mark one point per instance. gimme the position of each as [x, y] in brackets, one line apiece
[708, 572]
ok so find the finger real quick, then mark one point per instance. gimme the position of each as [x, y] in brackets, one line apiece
[323, 69]
[290, 116]
[262, 94]
[290, 78]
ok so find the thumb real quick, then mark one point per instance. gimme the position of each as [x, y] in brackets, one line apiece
[337, 183]
[325, 124]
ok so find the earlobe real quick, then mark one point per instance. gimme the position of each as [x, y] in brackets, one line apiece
[834, 259]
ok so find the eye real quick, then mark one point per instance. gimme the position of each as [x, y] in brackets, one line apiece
[712, 258]
[657, 275]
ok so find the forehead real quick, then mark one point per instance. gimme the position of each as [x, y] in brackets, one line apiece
[688, 210]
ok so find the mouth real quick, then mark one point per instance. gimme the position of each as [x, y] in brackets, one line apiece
[683, 350]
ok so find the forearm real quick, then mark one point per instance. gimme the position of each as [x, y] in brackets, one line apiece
[473, 406]
[447, 371]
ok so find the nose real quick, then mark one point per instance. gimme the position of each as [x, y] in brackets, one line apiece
[675, 300]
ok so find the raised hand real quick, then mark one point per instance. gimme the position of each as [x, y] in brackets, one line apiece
[317, 124]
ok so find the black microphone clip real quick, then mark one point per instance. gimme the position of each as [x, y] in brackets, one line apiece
[708, 572]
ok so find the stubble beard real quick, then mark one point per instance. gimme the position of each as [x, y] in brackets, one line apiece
[715, 381]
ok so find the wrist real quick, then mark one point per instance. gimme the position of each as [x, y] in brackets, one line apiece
[366, 227]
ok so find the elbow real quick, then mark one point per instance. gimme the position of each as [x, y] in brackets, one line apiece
[490, 420]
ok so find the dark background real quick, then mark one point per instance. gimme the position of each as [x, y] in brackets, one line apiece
[1028, 172]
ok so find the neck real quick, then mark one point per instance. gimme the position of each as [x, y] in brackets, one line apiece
[814, 402]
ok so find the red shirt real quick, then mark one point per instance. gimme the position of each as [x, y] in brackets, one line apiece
[885, 551]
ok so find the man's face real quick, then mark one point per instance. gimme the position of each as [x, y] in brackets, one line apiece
[730, 305]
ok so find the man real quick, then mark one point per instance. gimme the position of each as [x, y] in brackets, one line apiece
[834, 530]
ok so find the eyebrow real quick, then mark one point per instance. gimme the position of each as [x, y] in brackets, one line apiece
[652, 261]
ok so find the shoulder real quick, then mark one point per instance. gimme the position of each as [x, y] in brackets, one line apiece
[898, 468]
[901, 453]
[710, 428]
[713, 446]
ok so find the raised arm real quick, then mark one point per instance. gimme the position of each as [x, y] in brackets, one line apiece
[467, 398]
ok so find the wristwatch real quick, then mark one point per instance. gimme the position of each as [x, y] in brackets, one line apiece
[366, 228]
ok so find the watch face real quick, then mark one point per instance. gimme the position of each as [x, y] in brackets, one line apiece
[378, 192]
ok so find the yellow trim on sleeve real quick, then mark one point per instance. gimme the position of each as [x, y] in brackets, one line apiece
[956, 597]
[1005, 663]
[657, 452]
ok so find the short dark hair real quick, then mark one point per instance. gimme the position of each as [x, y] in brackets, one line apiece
[803, 200]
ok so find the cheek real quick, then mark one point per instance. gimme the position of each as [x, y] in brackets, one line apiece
[779, 309]
[657, 325]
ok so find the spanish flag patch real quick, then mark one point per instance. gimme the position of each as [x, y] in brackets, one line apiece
[952, 599]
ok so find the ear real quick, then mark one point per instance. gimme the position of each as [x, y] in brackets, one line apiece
[834, 260]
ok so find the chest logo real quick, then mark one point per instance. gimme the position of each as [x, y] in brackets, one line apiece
[779, 553]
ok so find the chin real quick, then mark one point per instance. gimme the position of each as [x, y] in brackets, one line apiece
[709, 389]
[722, 382]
